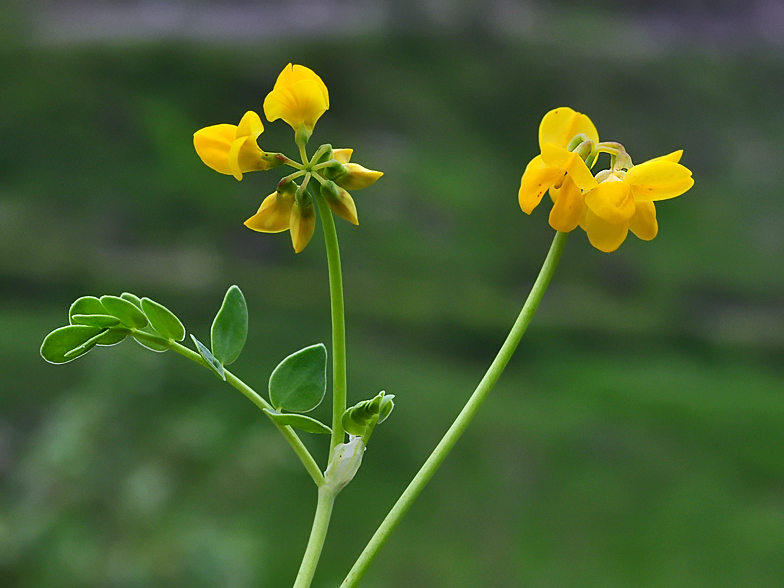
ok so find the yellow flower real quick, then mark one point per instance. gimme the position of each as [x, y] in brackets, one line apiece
[303, 224]
[299, 97]
[623, 200]
[274, 214]
[231, 149]
[557, 169]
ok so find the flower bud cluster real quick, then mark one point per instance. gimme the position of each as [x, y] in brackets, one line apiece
[299, 98]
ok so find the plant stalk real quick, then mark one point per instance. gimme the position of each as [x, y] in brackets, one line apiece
[288, 433]
[318, 534]
[338, 322]
[463, 419]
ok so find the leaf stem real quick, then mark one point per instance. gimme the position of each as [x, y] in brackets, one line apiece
[463, 419]
[318, 534]
[288, 433]
[338, 323]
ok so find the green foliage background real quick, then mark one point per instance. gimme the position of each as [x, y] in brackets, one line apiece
[636, 438]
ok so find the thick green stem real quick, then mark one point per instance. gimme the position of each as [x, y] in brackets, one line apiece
[288, 433]
[318, 534]
[463, 419]
[338, 323]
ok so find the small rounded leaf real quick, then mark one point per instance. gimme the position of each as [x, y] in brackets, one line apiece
[96, 320]
[67, 343]
[128, 313]
[132, 298]
[85, 305]
[163, 320]
[299, 382]
[113, 337]
[230, 327]
[299, 421]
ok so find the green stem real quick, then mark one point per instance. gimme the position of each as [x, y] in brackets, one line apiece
[318, 534]
[338, 323]
[288, 433]
[463, 419]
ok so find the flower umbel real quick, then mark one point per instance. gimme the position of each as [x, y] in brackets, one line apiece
[608, 205]
[299, 97]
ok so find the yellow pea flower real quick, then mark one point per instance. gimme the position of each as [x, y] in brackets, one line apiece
[303, 225]
[623, 200]
[274, 214]
[299, 97]
[232, 150]
[555, 165]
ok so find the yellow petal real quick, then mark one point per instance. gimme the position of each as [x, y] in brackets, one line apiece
[571, 163]
[292, 74]
[568, 207]
[358, 177]
[303, 224]
[234, 157]
[250, 125]
[342, 155]
[604, 236]
[299, 97]
[537, 179]
[560, 125]
[643, 223]
[611, 200]
[658, 179]
[274, 214]
[212, 145]
[675, 156]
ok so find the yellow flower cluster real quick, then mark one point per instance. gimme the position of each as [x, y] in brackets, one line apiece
[614, 201]
[299, 98]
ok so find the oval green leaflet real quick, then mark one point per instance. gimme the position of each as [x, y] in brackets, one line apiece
[86, 305]
[96, 320]
[152, 346]
[299, 382]
[230, 327]
[163, 320]
[67, 343]
[128, 313]
[298, 421]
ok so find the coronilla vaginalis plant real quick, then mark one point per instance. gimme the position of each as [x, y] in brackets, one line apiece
[606, 204]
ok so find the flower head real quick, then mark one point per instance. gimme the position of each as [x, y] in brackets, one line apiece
[299, 97]
[608, 205]
[233, 150]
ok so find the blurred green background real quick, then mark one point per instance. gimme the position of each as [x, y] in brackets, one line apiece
[637, 437]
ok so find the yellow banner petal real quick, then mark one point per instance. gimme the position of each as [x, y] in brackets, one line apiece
[560, 125]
